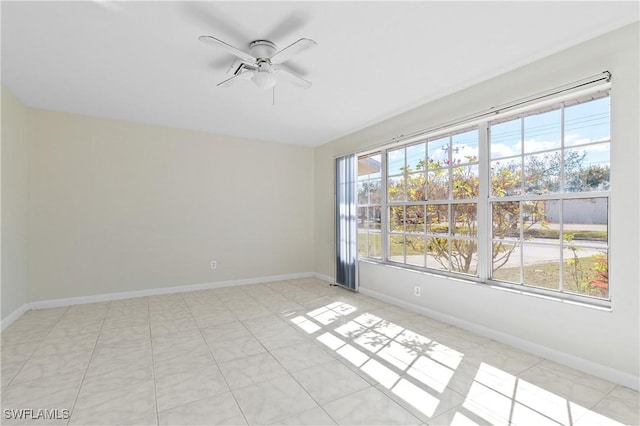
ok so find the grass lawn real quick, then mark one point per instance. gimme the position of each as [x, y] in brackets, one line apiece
[546, 275]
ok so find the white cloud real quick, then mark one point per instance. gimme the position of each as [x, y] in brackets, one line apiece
[500, 150]
[533, 145]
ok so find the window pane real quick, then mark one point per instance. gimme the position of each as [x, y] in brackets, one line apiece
[375, 244]
[587, 168]
[505, 219]
[396, 248]
[438, 253]
[506, 261]
[585, 221]
[541, 266]
[375, 166]
[362, 232]
[465, 147]
[374, 217]
[416, 186]
[363, 243]
[542, 173]
[375, 191]
[363, 191]
[465, 218]
[362, 217]
[395, 162]
[438, 151]
[415, 219]
[464, 256]
[466, 182]
[396, 218]
[438, 219]
[416, 157]
[506, 177]
[369, 166]
[506, 139]
[586, 271]
[395, 188]
[542, 131]
[540, 220]
[587, 122]
[416, 248]
[438, 185]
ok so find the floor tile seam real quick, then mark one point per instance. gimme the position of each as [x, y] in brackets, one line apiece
[191, 402]
[605, 396]
[10, 382]
[369, 385]
[153, 367]
[226, 382]
[41, 341]
[397, 404]
[494, 413]
[570, 380]
[298, 383]
[460, 407]
[305, 411]
[537, 364]
[609, 394]
[84, 375]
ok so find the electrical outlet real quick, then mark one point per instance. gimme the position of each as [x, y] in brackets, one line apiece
[214, 264]
[417, 290]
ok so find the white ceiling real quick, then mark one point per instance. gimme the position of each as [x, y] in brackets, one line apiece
[142, 61]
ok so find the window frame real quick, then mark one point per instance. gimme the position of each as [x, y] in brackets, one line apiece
[486, 200]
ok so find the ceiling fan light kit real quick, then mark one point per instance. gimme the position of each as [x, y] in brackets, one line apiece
[263, 63]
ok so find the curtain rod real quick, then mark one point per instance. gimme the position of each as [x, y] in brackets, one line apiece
[604, 76]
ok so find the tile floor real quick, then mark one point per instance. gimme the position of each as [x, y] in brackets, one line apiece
[290, 352]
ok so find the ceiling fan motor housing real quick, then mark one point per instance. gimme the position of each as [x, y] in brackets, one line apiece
[262, 49]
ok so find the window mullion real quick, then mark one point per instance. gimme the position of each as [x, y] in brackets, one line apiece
[483, 211]
[561, 202]
[384, 210]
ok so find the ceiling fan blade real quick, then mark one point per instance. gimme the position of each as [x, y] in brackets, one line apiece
[235, 51]
[292, 50]
[291, 77]
[230, 81]
[293, 23]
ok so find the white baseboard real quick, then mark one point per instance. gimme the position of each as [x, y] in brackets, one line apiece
[324, 277]
[55, 303]
[9, 319]
[43, 304]
[569, 360]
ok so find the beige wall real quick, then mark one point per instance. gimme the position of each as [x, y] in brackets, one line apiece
[608, 341]
[117, 206]
[14, 205]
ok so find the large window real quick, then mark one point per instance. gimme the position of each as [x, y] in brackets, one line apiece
[549, 198]
[519, 201]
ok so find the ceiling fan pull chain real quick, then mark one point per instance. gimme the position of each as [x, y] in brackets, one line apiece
[273, 96]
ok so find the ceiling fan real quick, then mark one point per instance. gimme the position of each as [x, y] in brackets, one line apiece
[263, 64]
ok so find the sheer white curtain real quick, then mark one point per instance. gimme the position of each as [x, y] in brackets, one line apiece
[346, 225]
